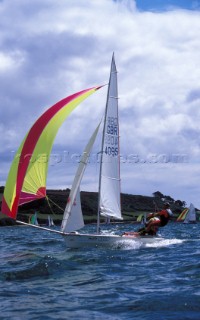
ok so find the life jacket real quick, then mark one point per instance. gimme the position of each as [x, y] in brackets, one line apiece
[164, 216]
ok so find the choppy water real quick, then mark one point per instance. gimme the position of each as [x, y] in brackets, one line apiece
[41, 279]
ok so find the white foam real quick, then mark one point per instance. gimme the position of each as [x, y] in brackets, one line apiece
[164, 243]
[134, 245]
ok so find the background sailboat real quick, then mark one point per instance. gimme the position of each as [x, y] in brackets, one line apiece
[182, 215]
[34, 220]
[191, 215]
[142, 218]
[50, 222]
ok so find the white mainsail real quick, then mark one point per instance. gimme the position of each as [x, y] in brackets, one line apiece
[109, 183]
[191, 215]
[73, 218]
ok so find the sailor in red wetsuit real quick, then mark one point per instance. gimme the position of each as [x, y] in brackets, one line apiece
[156, 220]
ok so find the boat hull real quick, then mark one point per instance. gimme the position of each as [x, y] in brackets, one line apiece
[189, 222]
[77, 240]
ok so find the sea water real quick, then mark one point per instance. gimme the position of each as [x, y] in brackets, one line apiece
[42, 279]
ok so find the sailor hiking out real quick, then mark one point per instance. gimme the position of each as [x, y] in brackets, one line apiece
[156, 220]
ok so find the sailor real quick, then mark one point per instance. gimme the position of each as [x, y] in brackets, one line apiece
[156, 220]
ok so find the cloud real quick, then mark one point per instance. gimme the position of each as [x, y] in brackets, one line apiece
[50, 50]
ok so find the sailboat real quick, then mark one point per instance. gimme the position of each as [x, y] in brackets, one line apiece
[191, 215]
[34, 220]
[182, 215]
[20, 188]
[109, 204]
[141, 218]
[50, 222]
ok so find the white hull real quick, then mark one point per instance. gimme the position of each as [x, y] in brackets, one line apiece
[86, 240]
[78, 240]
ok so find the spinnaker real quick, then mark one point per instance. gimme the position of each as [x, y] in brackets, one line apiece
[27, 176]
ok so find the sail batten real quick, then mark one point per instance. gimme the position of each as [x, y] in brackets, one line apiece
[112, 178]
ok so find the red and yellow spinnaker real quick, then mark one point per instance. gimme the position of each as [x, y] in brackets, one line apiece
[27, 177]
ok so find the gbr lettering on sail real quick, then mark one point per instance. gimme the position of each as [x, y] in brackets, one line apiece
[112, 137]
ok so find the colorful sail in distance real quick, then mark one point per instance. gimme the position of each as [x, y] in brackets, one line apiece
[27, 177]
[182, 215]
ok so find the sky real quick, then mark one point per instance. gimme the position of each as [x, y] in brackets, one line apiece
[162, 5]
[50, 49]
